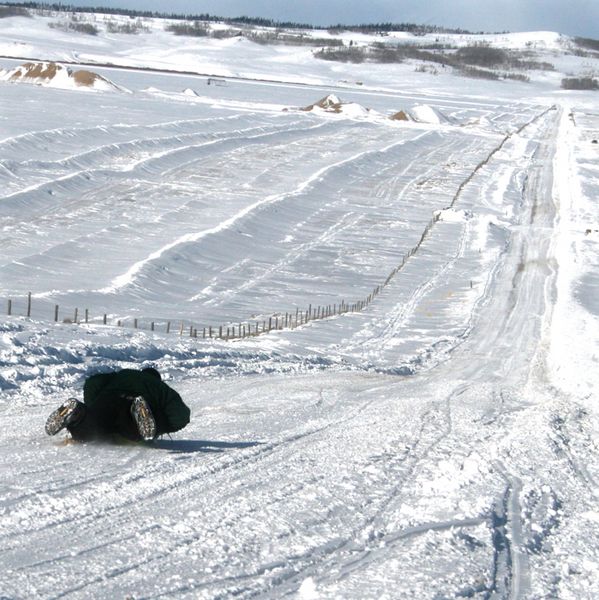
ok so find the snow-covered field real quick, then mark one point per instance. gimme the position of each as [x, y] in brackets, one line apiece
[441, 442]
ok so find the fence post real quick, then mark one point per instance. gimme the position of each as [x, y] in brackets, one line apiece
[29, 304]
[134, 323]
[220, 332]
[86, 315]
[210, 331]
[56, 313]
[152, 326]
[75, 316]
[104, 320]
[168, 327]
[9, 307]
[181, 329]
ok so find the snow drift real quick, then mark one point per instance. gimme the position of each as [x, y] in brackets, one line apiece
[333, 105]
[423, 113]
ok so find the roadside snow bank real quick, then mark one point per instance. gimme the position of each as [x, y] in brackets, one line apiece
[574, 354]
[40, 360]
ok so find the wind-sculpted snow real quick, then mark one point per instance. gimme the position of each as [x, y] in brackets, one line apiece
[280, 190]
[438, 442]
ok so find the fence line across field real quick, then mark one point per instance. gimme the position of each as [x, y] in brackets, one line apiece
[290, 320]
[231, 331]
[277, 322]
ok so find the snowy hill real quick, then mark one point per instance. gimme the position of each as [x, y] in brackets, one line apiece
[373, 282]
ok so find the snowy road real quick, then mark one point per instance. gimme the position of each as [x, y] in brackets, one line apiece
[420, 448]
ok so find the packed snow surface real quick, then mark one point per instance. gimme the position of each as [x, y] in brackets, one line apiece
[421, 419]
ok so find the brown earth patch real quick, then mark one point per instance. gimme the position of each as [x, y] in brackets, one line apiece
[326, 104]
[400, 116]
[37, 71]
[86, 78]
[48, 71]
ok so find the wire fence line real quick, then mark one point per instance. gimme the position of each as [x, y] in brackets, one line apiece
[230, 331]
[277, 321]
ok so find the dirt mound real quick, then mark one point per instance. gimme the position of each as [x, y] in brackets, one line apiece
[332, 104]
[87, 78]
[56, 75]
[401, 116]
[35, 71]
[329, 103]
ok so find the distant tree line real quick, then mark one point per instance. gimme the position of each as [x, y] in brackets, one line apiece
[587, 43]
[478, 60]
[580, 83]
[13, 11]
[242, 20]
[388, 27]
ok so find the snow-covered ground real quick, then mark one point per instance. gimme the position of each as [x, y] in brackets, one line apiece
[440, 442]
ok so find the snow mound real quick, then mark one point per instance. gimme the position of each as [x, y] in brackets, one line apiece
[423, 113]
[332, 104]
[451, 215]
[190, 92]
[52, 74]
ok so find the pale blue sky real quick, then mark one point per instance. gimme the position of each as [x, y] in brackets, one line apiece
[572, 17]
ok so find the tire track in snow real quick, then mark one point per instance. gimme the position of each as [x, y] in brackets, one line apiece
[397, 317]
[359, 545]
[158, 484]
[87, 525]
[509, 574]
